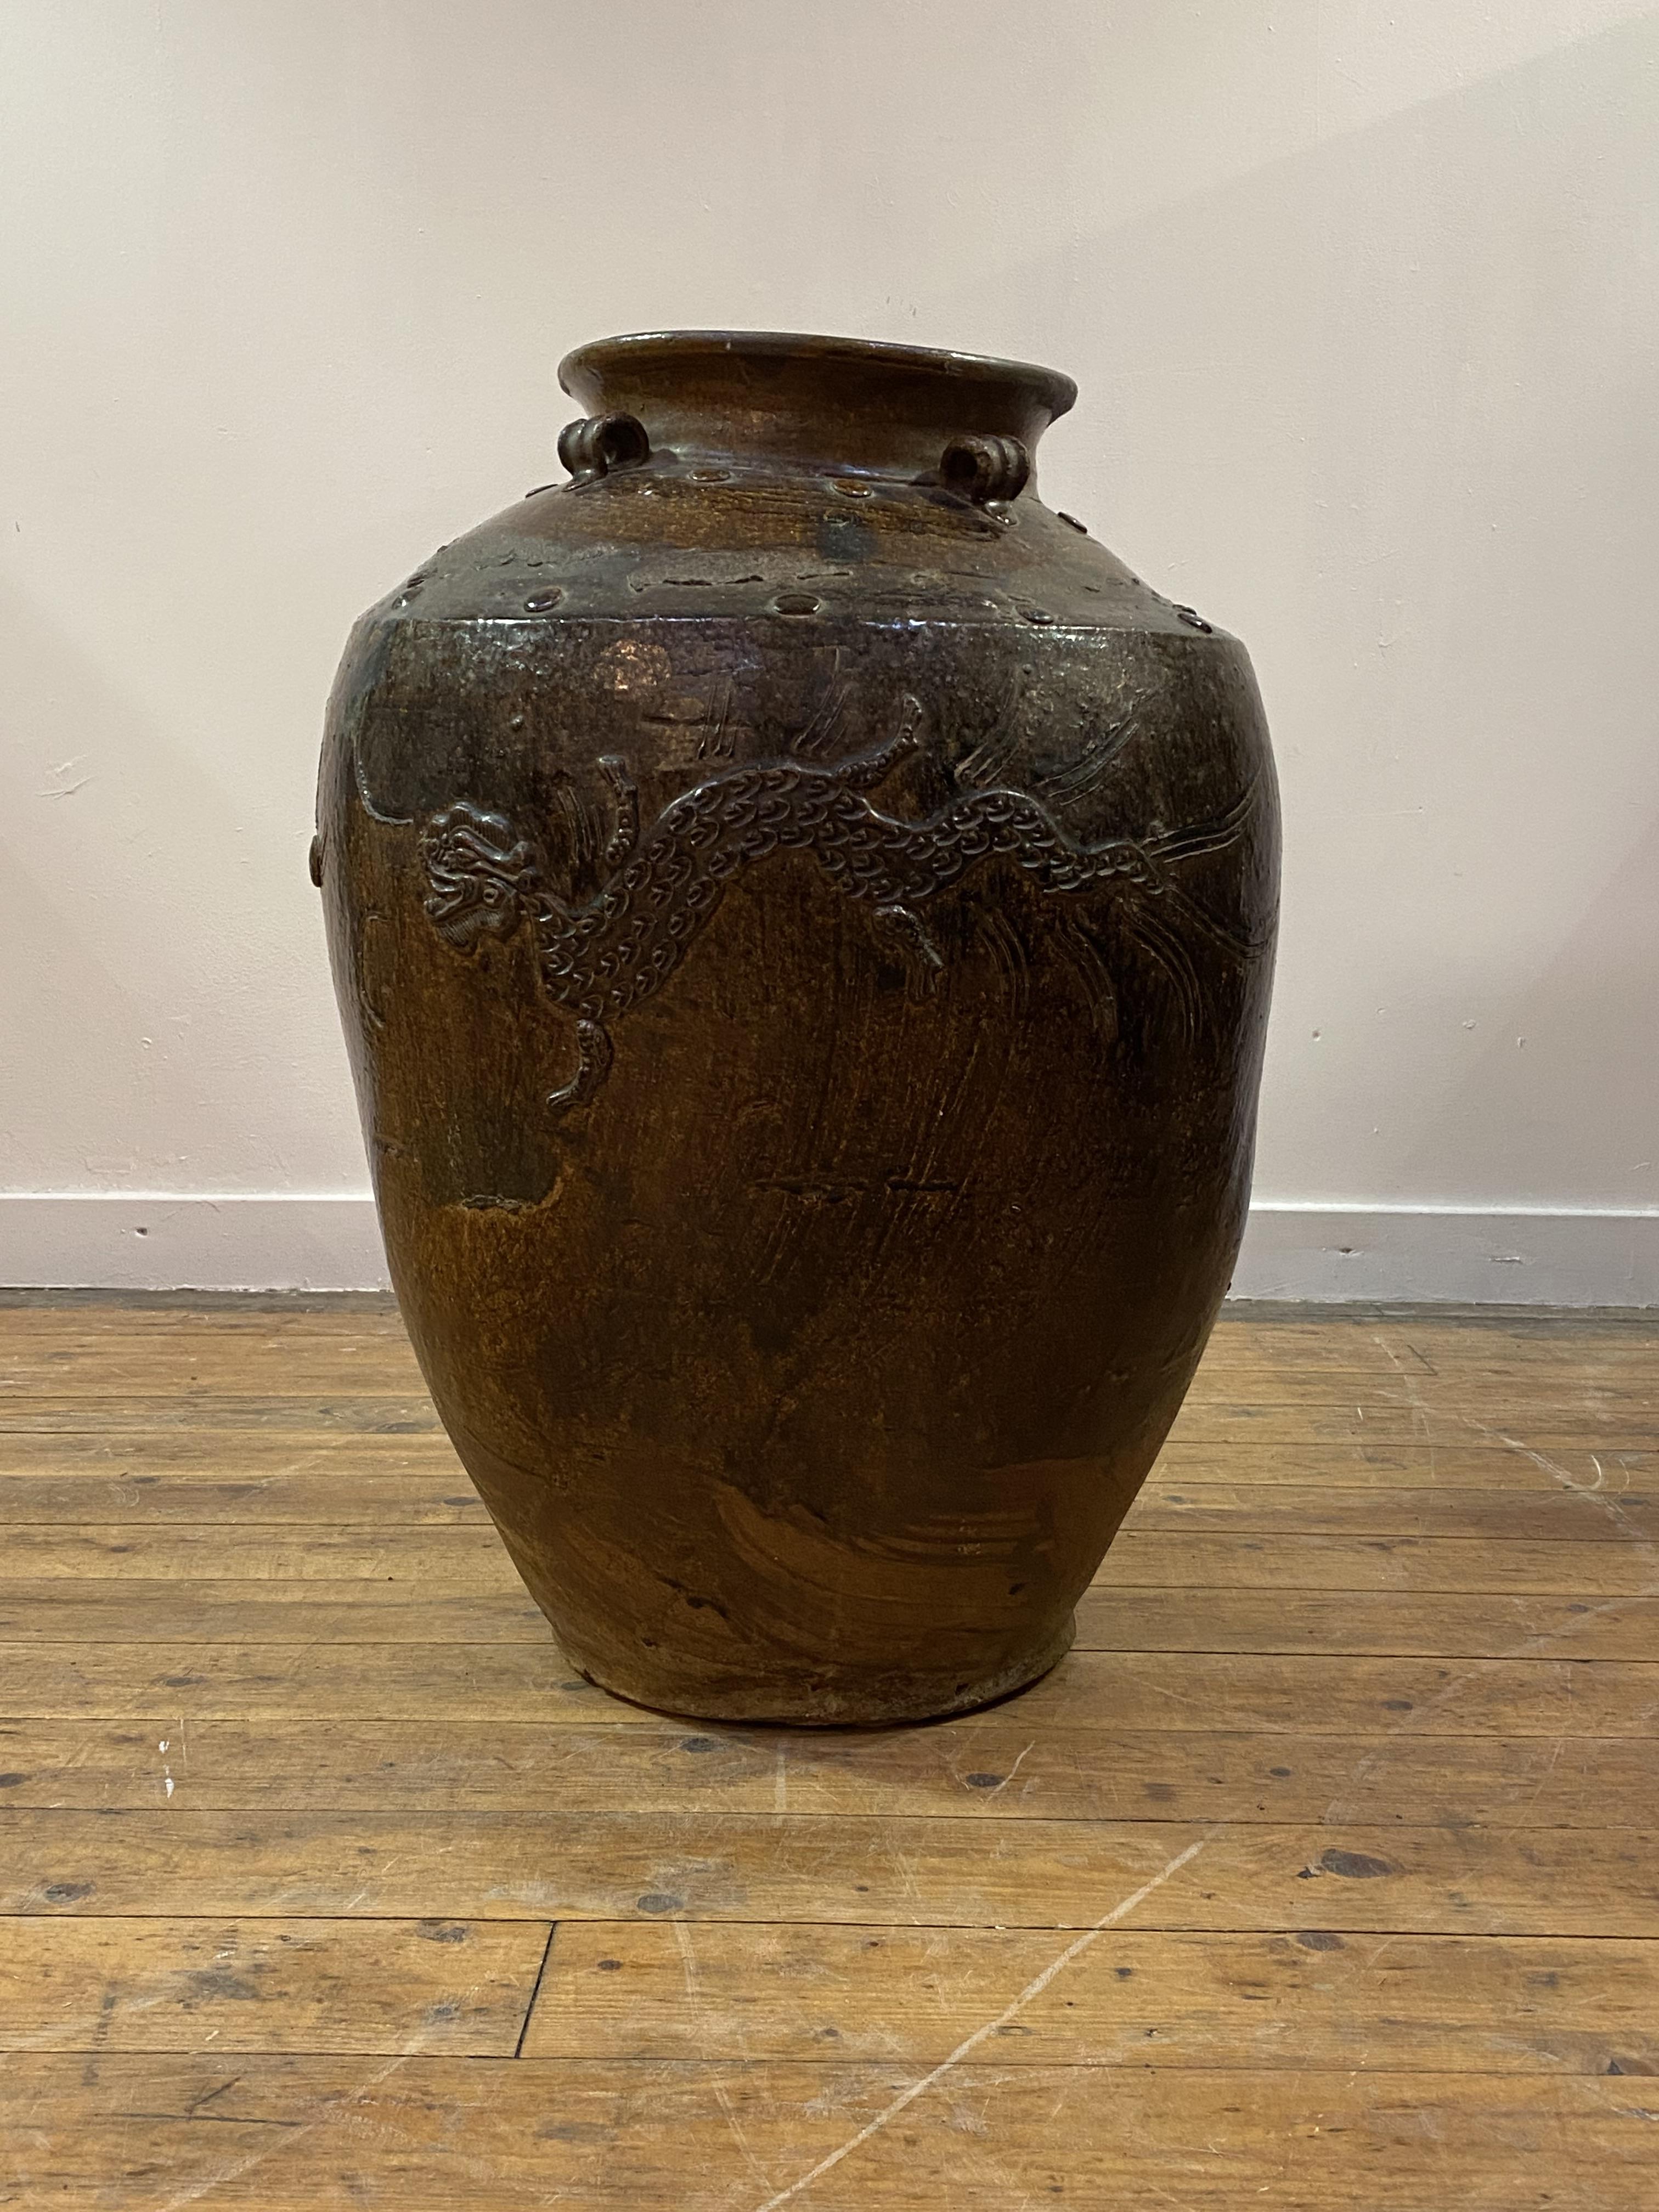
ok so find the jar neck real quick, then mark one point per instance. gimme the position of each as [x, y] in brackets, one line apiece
[812, 401]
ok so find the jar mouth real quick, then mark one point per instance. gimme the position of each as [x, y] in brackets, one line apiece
[853, 402]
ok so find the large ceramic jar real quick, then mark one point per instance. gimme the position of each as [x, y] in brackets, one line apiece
[802, 914]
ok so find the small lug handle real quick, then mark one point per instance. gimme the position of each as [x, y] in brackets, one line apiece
[599, 443]
[985, 469]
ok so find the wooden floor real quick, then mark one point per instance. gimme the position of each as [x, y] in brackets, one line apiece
[1323, 1874]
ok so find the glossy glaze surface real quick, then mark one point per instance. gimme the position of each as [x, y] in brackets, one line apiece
[802, 914]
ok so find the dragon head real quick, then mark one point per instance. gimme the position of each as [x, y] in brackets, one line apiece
[482, 875]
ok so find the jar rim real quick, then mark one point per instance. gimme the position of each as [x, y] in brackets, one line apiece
[1049, 386]
[868, 401]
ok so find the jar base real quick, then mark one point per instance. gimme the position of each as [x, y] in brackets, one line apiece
[904, 1699]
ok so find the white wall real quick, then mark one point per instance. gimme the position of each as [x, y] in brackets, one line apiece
[1362, 299]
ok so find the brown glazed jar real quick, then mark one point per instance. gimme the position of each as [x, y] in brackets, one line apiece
[802, 915]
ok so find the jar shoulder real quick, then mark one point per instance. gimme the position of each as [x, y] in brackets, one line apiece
[669, 540]
[1106, 727]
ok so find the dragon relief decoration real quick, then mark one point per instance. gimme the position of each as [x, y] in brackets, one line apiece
[602, 955]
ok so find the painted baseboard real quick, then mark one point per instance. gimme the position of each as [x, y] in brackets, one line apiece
[147, 1241]
[1330, 1255]
[1446, 1256]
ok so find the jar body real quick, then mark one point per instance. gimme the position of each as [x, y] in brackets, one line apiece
[806, 980]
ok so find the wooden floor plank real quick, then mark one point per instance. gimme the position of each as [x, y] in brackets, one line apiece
[1453, 1625]
[900, 1871]
[211, 1366]
[1447, 1624]
[349, 1490]
[902, 1996]
[363, 1496]
[300, 1416]
[1619, 1515]
[316, 2135]
[1423, 1356]
[1579, 1470]
[1173, 1691]
[1419, 1347]
[202, 1453]
[1630, 1424]
[142, 1609]
[459, 1556]
[1288, 1562]
[451, 1987]
[466, 1554]
[991, 1766]
[323, 1462]
[1615, 1421]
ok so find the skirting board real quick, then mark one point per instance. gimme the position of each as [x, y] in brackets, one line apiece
[1329, 1255]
